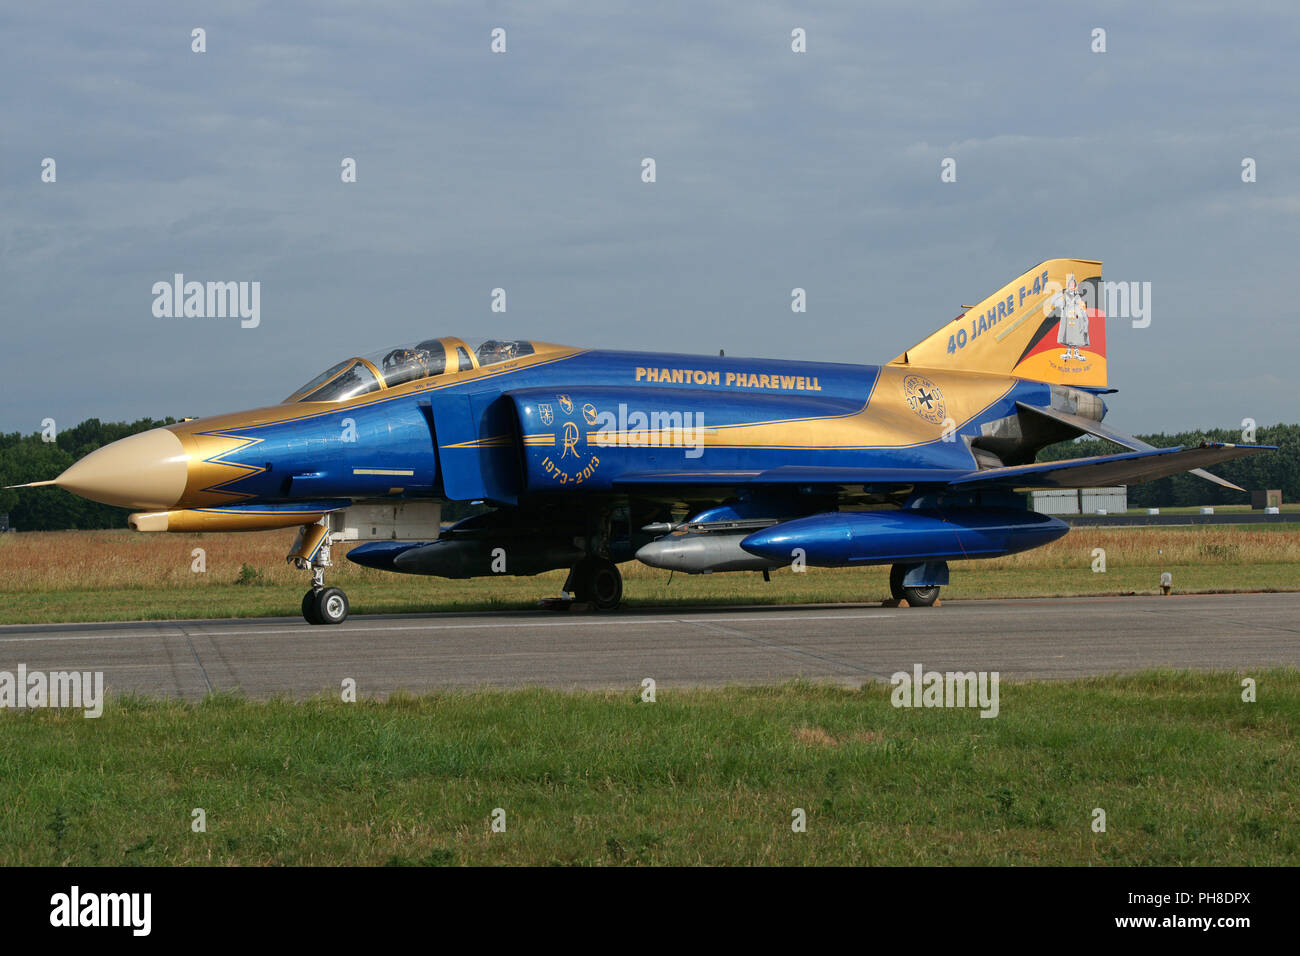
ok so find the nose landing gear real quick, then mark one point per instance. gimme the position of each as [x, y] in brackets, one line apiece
[325, 606]
[311, 549]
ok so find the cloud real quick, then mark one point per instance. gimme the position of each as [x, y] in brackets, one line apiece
[776, 170]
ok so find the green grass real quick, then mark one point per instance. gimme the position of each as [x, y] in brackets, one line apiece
[1187, 773]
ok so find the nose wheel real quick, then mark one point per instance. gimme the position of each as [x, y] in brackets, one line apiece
[325, 606]
[311, 549]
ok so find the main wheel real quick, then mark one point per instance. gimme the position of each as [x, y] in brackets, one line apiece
[329, 606]
[598, 582]
[309, 607]
[915, 597]
[921, 597]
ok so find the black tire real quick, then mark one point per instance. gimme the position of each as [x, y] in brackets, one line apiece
[896, 575]
[915, 597]
[921, 597]
[330, 606]
[598, 582]
[579, 582]
[309, 608]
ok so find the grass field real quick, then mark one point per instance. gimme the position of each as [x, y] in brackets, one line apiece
[1185, 771]
[119, 575]
[1218, 510]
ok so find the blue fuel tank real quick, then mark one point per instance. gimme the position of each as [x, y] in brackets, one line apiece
[469, 557]
[843, 538]
[382, 554]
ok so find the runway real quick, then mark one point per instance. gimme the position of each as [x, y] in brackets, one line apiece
[678, 647]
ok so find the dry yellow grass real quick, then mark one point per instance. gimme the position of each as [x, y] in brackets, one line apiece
[60, 560]
[120, 575]
[817, 737]
[1152, 546]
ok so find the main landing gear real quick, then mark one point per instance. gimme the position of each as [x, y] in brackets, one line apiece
[596, 581]
[311, 549]
[923, 595]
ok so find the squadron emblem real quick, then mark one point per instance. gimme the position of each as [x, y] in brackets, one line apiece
[570, 441]
[925, 398]
[546, 414]
[566, 403]
[1072, 332]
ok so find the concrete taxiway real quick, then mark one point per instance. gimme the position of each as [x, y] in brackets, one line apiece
[1060, 638]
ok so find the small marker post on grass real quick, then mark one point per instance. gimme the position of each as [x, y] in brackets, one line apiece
[1166, 582]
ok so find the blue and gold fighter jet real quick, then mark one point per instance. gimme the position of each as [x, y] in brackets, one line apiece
[587, 458]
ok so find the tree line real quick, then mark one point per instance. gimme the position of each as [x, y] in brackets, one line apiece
[25, 458]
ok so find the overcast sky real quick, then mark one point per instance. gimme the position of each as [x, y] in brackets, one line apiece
[522, 170]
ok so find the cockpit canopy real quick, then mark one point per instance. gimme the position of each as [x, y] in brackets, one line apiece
[388, 368]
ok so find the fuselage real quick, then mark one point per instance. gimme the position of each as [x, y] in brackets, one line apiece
[555, 412]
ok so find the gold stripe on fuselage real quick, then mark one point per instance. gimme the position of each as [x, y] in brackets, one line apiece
[496, 441]
[884, 421]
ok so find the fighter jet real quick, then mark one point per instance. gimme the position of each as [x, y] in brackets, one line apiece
[585, 458]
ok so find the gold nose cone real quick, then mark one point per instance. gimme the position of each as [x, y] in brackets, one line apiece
[148, 470]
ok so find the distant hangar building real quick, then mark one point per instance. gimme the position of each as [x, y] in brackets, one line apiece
[1080, 501]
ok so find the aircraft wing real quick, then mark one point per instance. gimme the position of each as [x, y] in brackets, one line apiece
[1122, 469]
[796, 475]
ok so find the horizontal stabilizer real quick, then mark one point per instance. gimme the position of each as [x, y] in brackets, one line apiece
[1098, 430]
[1129, 467]
[1123, 469]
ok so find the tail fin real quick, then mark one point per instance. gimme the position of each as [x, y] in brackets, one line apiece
[1047, 325]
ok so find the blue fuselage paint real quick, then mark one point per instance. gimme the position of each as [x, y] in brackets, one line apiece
[383, 446]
